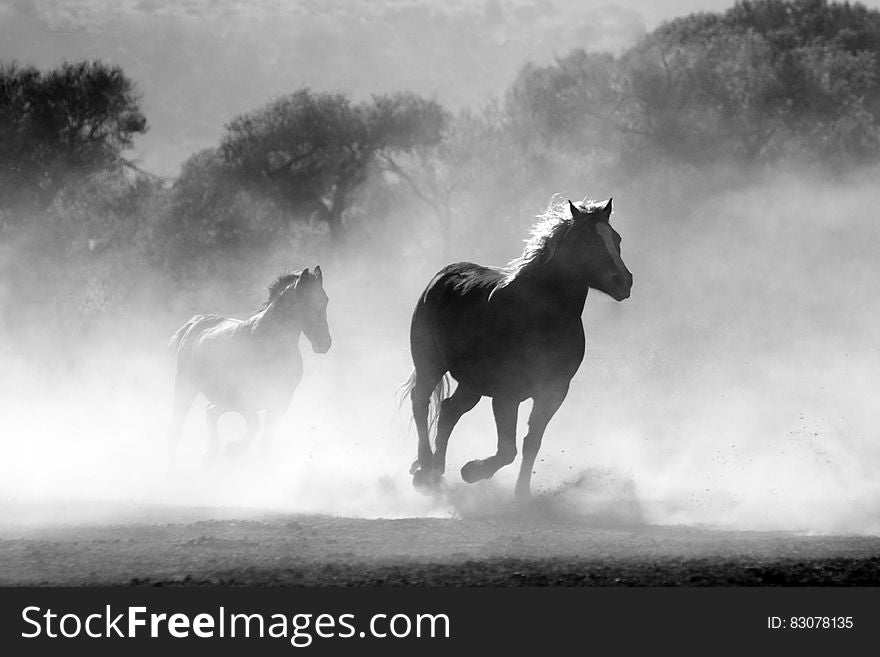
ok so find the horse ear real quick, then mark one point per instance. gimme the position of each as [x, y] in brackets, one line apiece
[574, 209]
[319, 276]
[607, 210]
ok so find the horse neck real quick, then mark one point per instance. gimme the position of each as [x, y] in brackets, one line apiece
[561, 286]
[270, 325]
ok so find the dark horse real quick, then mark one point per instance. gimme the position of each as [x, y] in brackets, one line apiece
[246, 366]
[510, 334]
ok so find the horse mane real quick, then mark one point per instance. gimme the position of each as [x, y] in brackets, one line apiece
[547, 232]
[279, 284]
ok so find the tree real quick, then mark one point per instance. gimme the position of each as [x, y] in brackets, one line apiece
[765, 80]
[313, 151]
[572, 105]
[60, 125]
[703, 93]
[213, 224]
[437, 173]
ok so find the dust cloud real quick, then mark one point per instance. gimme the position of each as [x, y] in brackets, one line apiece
[734, 389]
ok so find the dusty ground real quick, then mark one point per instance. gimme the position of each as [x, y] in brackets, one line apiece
[204, 547]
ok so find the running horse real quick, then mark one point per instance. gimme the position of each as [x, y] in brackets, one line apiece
[511, 334]
[251, 365]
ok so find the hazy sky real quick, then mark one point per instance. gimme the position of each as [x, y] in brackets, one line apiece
[199, 63]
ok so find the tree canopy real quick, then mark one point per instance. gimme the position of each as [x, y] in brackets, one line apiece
[71, 121]
[313, 151]
[763, 80]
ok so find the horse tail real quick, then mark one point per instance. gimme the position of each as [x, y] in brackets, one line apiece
[180, 334]
[176, 339]
[405, 388]
[441, 392]
[203, 322]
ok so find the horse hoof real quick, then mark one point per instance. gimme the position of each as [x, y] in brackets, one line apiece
[426, 481]
[472, 471]
[414, 467]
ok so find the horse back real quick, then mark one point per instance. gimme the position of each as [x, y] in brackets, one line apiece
[456, 297]
[497, 340]
[235, 370]
[191, 330]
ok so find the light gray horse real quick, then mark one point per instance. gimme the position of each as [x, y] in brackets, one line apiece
[252, 365]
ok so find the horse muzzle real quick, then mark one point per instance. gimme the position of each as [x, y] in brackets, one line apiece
[619, 286]
[322, 346]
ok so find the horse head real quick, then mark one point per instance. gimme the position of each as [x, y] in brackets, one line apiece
[300, 299]
[313, 309]
[596, 249]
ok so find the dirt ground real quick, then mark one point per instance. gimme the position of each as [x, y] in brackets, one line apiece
[207, 547]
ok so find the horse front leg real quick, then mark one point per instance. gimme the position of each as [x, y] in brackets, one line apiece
[451, 410]
[505, 411]
[544, 407]
[270, 424]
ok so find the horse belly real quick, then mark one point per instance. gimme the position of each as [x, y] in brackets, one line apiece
[503, 346]
[244, 384]
[492, 384]
[518, 373]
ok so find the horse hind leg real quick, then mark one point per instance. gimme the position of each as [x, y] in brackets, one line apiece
[505, 420]
[240, 447]
[184, 394]
[426, 379]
